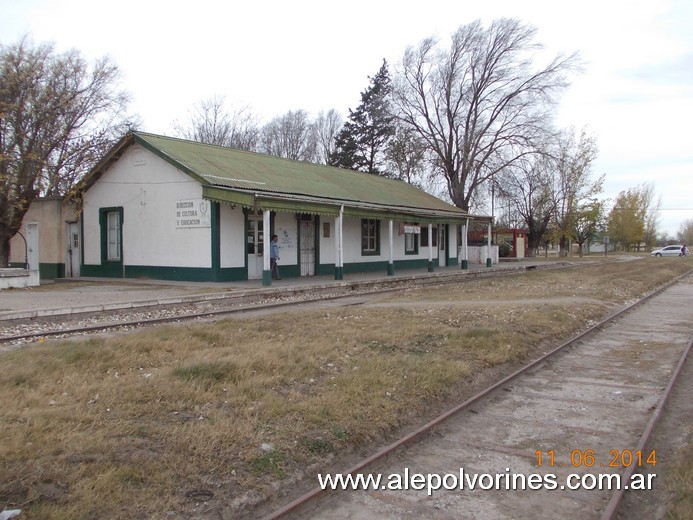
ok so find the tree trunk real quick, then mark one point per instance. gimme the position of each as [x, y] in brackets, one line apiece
[533, 244]
[4, 252]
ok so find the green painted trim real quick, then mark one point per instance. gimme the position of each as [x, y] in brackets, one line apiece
[290, 271]
[215, 238]
[489, 263]
[50, 271]
[367, 267]
[465, 264]
[111, 268]
[416, 245]
[81, 238]
[390, 269]
[228, 196]
[235, 274]
[232, 274]
[418, 214]
[325, 269]
[297, 206]
[377, 238]
[183, 274]
[266, 278]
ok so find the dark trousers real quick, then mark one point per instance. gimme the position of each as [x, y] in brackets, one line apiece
[275, 269]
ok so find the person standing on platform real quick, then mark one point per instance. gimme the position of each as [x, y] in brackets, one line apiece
[274, 257]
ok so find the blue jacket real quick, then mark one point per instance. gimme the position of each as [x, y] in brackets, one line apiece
[274, 250]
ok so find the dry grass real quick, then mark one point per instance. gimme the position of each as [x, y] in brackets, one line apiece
[126, 427]
[680, 504]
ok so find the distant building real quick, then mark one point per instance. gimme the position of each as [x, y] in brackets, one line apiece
[49, 239]
[165, 208]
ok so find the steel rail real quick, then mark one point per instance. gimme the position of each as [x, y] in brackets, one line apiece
[355, 289]
[314, 493]
[617, 497]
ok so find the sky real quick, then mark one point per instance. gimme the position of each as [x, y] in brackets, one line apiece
[634, 94]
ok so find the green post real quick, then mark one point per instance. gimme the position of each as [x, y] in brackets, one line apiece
[266, 278]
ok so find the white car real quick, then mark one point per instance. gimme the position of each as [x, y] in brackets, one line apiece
[668, 251]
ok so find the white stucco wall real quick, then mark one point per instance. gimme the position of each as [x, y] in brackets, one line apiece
[147, 188]
[231, 236]
[327, 244]
[452, 237]
[286, 229]
[352, 244]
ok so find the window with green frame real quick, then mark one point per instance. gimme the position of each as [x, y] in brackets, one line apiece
[370, 237]
[424, 236]
[411, 243]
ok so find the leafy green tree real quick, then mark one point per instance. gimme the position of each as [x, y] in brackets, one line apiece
[575, 188]
[585, 223]
[362, 143]
[630, 216]
[58, 115]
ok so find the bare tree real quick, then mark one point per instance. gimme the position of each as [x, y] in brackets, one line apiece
[529, 192]
[58, 115]
[479, 105]
[407, 155]
[210, 122]
[326, 127]
[291, 136]
[652, 217]
[685, 232]
[575, 187]
[585, 222]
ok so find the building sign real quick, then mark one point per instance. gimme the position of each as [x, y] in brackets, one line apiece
[412, 229]
[192, 213]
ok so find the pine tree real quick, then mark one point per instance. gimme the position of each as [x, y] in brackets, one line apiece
[362, 142]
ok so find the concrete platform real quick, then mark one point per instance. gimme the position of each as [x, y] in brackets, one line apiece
[76, 295]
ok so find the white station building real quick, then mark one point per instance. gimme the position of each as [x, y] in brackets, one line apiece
[164, 208]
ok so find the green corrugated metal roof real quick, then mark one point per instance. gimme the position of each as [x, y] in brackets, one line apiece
[268, 178]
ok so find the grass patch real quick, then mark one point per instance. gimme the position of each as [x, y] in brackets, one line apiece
[680, 504]
[208, 373]
[125, 427]
[269, 463]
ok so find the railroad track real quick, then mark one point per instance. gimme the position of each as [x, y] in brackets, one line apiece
[22, 330]
[588, 407]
